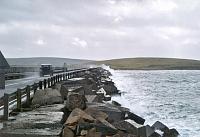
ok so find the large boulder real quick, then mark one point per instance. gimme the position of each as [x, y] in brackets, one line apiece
[96, 113]
[155, 134]
[160, 126]
[115, 103]
[47, 96]
[76, 116]
[132, 127]
[135, 117]
[75, 100]
[114, 114]
[93, 133]
[87, 83]
[67, 132]
[171, 133]
[109, 87]
[107, 98]
[123, 134]
[101, 126]
[65, 89]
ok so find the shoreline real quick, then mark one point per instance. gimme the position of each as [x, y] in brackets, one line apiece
[85, 111]
[153, 69]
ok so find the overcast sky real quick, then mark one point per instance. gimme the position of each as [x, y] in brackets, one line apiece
[100, 29]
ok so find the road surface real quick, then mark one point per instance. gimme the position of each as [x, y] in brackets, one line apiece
[12, 85]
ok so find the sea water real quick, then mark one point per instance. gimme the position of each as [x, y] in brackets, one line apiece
[169, 96]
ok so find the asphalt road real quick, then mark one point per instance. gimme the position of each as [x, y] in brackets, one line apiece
[31, 77]
[12, 85]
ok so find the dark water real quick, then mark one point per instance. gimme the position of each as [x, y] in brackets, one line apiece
[172, 97]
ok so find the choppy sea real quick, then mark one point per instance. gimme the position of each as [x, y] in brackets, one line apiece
[169, 96]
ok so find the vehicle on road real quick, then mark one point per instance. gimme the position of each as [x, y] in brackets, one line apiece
[46, 69]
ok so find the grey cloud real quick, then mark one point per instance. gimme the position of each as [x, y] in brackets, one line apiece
[100, 29]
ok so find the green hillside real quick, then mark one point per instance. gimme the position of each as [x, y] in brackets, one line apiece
[37, 61]
[152, 64]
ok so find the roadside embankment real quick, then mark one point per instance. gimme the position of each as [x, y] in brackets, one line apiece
[81, 107]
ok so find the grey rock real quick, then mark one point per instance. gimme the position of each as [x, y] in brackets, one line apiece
[93, 98]
[160, 126]
[47, 96]
[116, 103]
[67, 132]
[93, 133]
[75, 100]
[171, 133]
[110, 88]
[96, 113]
[76, 116]
[155, 134]
[107, 98]
[132, 127]
[114, 114]
[103, 127]
[135, 117]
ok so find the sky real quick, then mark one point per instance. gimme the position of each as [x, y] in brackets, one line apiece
[100, 29]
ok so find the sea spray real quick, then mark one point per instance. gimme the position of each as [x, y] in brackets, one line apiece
[171, 97]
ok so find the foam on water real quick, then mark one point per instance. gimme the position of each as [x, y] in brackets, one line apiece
[172, 97]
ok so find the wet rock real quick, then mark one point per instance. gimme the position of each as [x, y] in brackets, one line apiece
[135, 117]
[160, 126]
[107, 98]
[125, 126]
[101, 91]
[110, 88]
[93, 98]
[75, 100]
[155, 134]
[124, 110]
[100, 95]
[96, 113]
[145, 131]
[47, 96]
[116, 103]
[171, 133]
[76, 116]
[132, 127]
[67, 132]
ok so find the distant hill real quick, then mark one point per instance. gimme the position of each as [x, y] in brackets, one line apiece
[37, 61]
[152, 64]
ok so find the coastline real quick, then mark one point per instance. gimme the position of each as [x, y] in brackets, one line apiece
[88, 111]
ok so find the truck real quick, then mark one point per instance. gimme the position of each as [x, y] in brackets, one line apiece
[46, 69]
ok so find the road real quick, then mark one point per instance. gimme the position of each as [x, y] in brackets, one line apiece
[31, 77]
[12, 85]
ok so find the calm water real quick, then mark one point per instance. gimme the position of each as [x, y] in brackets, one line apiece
[172, 97]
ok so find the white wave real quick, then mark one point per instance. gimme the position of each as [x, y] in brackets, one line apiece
[112, 71]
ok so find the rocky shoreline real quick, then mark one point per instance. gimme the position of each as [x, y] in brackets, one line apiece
[86, 110]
